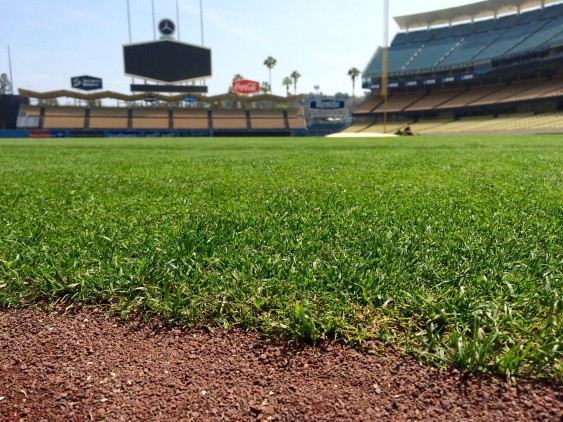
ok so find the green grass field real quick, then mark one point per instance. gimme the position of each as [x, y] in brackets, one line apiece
[450, 248]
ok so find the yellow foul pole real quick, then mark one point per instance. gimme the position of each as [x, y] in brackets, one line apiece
[385, 63]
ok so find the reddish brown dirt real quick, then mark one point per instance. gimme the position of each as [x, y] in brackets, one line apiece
[82, 366]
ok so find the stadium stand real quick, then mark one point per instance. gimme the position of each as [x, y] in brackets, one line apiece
[230, 119]
[488, 66]
[472, 42]
[151, 118]
[469, 96]
[433, 100]
[191, 119]
[109, 118]
[370, 104]
[63, 118]
[295, 119]
[399, 101]
[28, 116]
[267, 119]
[171, 121]
[219, 115]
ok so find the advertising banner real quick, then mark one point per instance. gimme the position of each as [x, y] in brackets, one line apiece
[246, 87]
[327, 104]
[39, 133]
[86, 83]
[123, 134]
[86, 134]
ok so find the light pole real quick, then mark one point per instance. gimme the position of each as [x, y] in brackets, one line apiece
[178, 19]
[385, 64]
[153, 21]
[201, 20]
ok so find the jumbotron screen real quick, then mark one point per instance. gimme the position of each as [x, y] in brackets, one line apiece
[167, 61]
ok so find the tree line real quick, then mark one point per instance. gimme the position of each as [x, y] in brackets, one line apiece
[288, 81]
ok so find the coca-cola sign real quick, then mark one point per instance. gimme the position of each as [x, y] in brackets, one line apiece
[246, 87]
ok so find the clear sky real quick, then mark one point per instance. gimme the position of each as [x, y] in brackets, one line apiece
[53, 40]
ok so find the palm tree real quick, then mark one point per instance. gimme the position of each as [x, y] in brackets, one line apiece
[265, 87]
[295, 75]
[270, 63]
[287, 82]
[354, 73]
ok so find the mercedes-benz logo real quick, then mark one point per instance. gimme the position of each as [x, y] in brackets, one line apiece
[166, 27]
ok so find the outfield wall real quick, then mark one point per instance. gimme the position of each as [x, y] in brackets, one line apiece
[66, 133]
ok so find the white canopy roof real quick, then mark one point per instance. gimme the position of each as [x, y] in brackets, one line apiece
[482, 9]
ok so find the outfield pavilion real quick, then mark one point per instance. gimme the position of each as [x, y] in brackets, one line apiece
[494, 66]
[166, 115]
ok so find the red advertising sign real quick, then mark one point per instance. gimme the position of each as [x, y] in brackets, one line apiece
[39, 133]
[246, 87]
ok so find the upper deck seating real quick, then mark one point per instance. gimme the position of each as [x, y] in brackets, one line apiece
[472, 43]
[507, 41]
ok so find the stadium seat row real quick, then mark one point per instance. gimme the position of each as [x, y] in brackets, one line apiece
[158, 118]
[442, 99]
[476, 42]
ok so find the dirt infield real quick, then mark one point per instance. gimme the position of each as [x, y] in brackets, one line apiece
[82, 366]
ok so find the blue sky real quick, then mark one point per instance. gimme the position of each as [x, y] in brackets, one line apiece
[53, 40]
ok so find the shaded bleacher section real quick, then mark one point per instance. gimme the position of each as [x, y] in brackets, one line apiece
[441, 99]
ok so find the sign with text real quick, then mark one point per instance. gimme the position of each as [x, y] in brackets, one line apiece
[246, 87]
[86, 83]
[327, 104]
